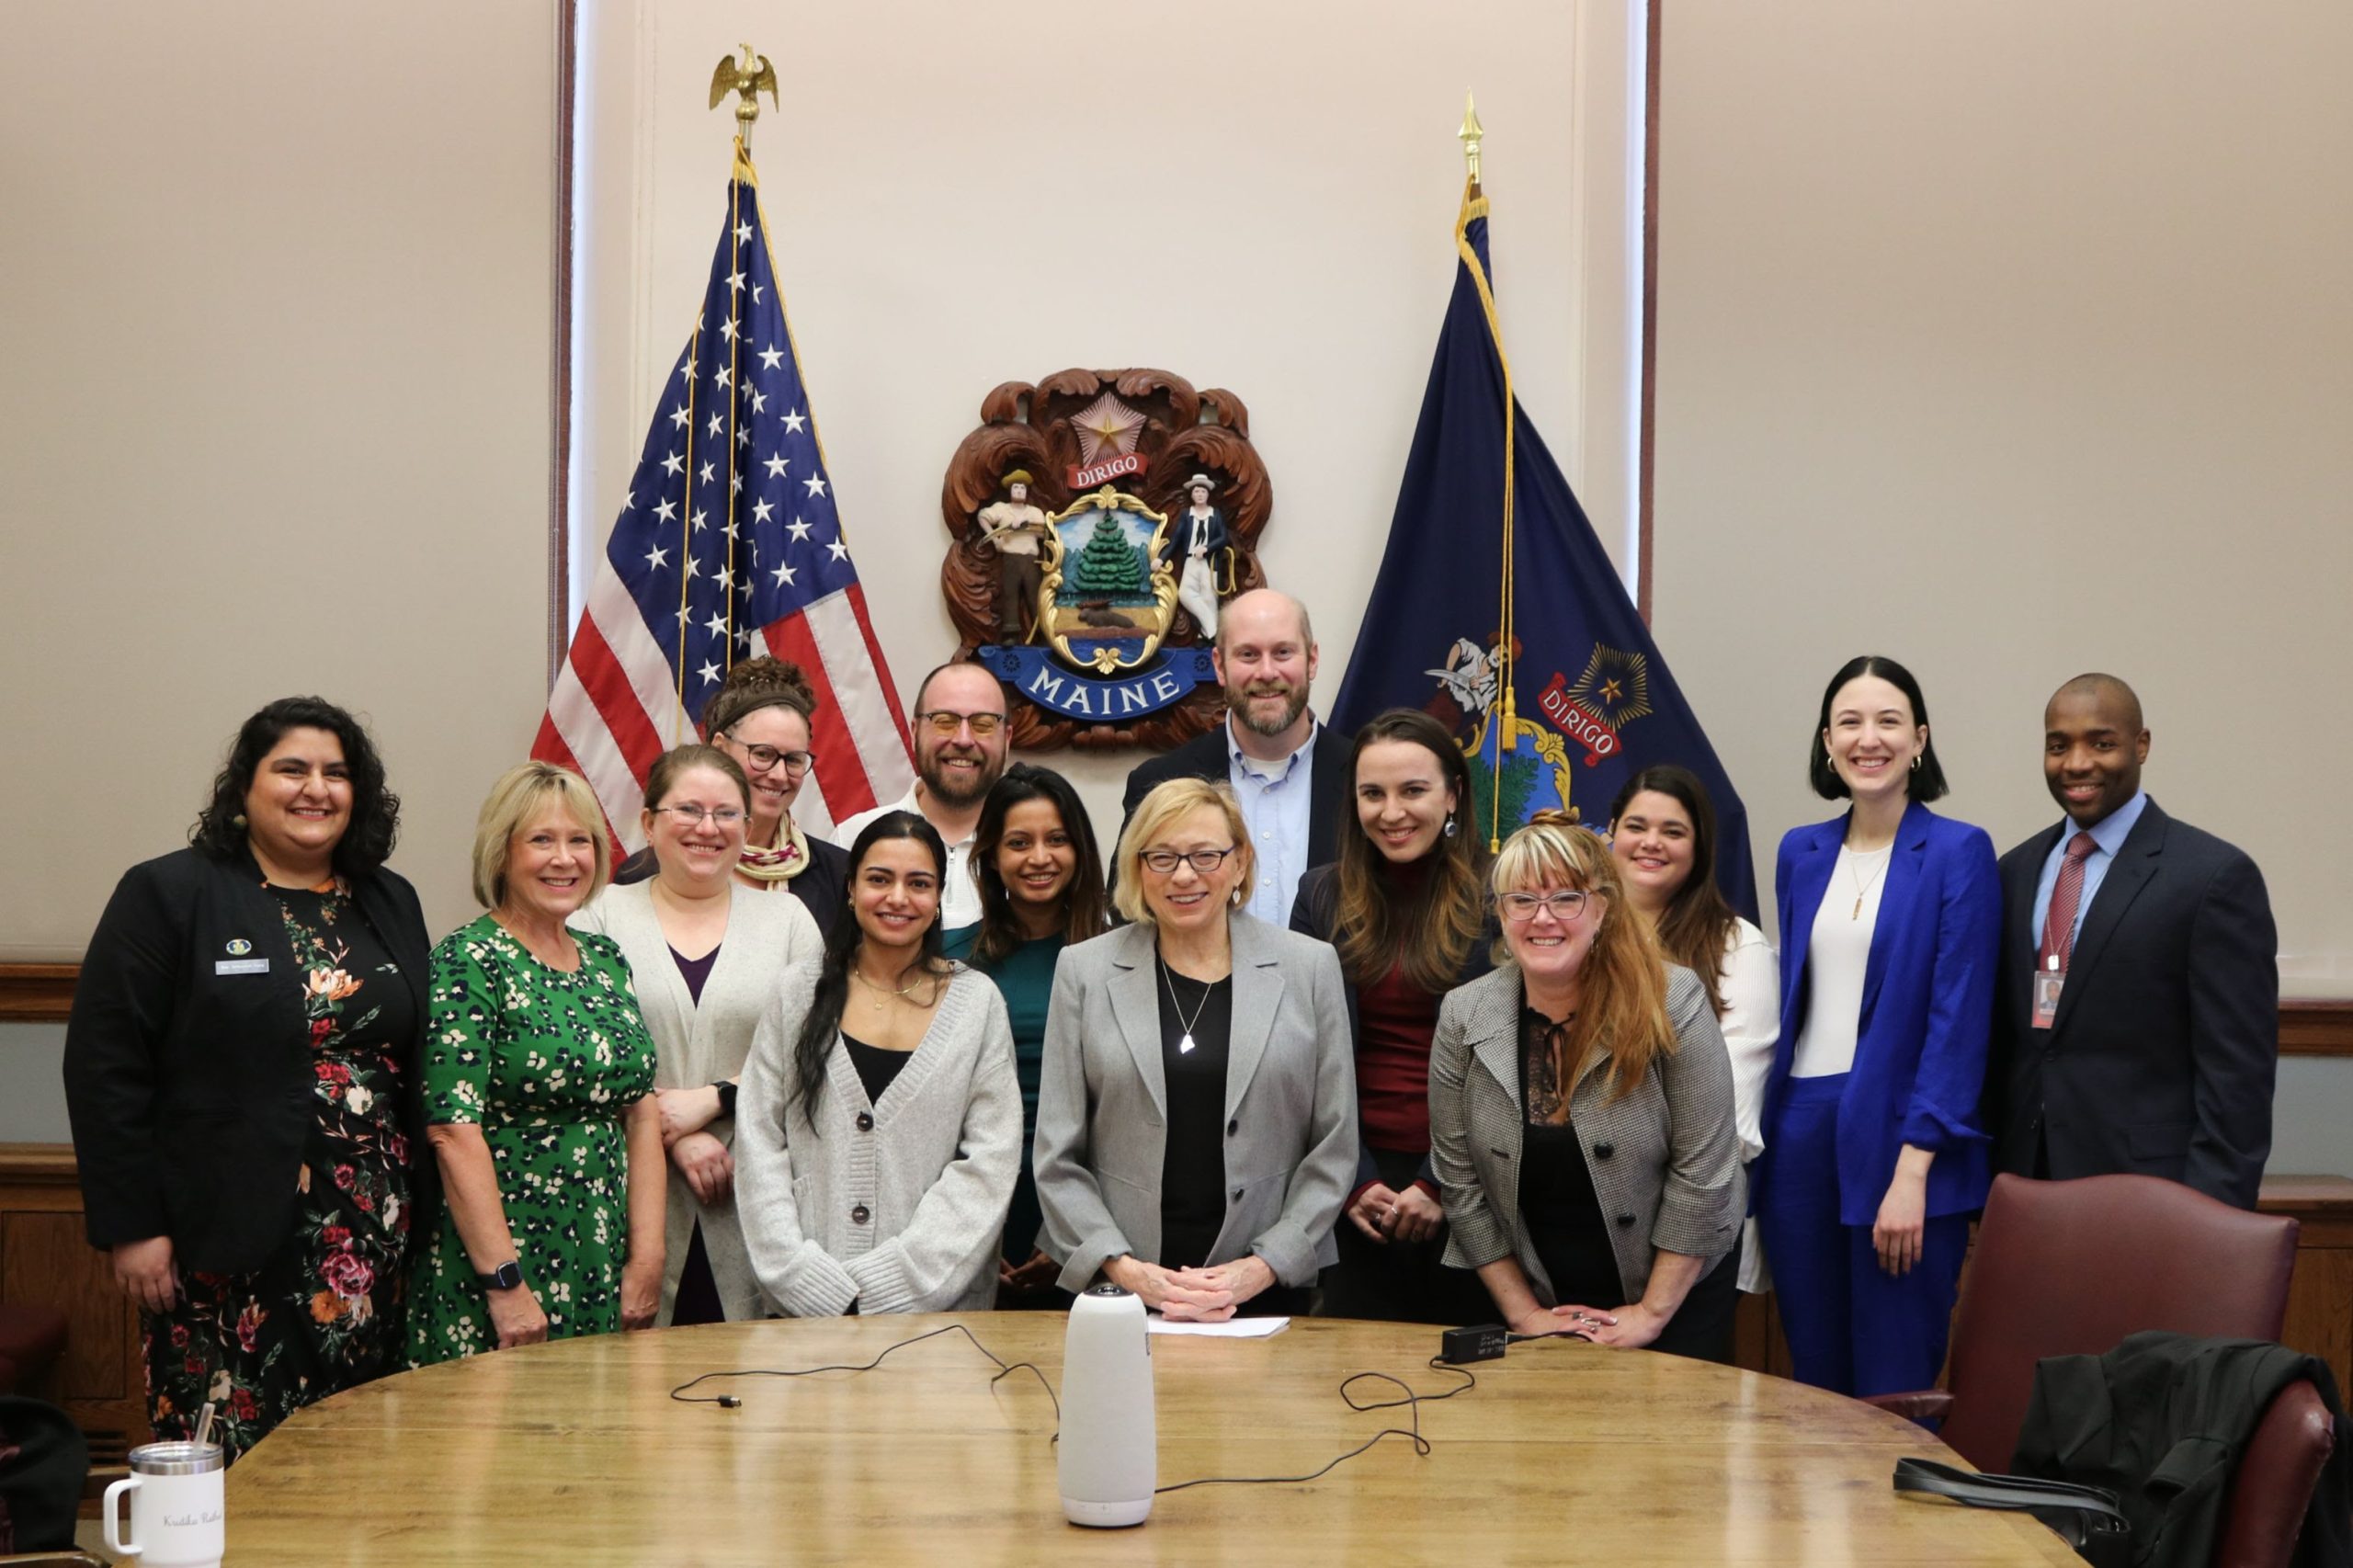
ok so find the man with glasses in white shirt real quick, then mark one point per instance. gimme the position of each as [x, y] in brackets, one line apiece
[960, 753]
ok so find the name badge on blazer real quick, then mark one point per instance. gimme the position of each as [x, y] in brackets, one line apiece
[241, 966]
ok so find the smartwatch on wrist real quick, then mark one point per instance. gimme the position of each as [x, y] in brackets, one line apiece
[505, 1277]
[726, 1097]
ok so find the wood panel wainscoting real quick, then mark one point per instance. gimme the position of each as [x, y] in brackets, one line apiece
[2319, 1293]
[46, 1260]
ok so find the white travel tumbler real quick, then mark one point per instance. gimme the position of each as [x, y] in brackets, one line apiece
[1108, 1455]
[175, 1507]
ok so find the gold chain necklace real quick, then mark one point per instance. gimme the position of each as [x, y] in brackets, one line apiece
[883, 993]
[1863, 888]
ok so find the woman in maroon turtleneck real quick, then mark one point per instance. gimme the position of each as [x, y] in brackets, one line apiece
[1405, 905]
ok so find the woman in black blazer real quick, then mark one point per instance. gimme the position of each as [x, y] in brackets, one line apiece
[240, 1072]
[1406, 907]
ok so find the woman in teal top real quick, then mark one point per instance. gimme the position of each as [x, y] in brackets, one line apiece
[1040, 881]
[539, 1098]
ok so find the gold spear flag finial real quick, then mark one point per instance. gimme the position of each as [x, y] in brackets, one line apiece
[1469, 137]
[745, 77]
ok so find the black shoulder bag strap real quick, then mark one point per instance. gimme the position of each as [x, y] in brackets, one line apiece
[2085, 1517]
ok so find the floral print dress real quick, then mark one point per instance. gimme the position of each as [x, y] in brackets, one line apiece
[325, 1312]
[547, 1063]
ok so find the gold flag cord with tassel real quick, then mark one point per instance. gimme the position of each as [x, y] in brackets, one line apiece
[1506, 711]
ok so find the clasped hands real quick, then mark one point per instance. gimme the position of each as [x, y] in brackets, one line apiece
[699, 1157]
[1192, 1295]
[1383, 1214]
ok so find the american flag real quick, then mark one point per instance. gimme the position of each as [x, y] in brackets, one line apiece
[728, 546]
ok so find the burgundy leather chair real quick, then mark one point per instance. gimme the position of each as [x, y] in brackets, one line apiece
[2072, 1267]
[2276, 1477]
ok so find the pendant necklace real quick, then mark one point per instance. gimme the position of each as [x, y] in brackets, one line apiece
[1186, 1044]
[1863, 888]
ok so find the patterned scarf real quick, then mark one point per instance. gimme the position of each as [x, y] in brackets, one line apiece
[781, 864]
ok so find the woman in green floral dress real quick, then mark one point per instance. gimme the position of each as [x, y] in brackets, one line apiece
[539, 1090]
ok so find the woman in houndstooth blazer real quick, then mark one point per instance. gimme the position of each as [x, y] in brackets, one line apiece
[1581, 1112]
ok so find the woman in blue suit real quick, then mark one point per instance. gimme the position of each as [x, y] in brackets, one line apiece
[1890, 922]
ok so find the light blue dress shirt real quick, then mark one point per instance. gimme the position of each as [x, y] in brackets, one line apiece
[1274, 797]
[2108, 835]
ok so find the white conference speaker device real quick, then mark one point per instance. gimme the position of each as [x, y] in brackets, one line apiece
[1108, 1458]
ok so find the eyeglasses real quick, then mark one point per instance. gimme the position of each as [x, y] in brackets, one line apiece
[689, 816]
[1205, 862]
[1519, 908]
[946, 721]
[765, 757]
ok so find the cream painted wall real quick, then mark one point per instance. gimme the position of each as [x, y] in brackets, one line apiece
[276, 340]
[942, 184]
[2014, 339]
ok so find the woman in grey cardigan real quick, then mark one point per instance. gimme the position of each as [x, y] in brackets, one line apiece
[1581, 1113]
[1197, 1117]
[878, 1128]
[708, 954]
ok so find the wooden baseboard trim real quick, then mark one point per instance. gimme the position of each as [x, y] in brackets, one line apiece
[2316, 1027]
[37, 992]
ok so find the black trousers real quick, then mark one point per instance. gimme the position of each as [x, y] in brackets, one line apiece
[1400, 1281]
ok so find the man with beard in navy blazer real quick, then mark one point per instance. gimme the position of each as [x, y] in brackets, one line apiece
[1290, 773]
[2136, 1019]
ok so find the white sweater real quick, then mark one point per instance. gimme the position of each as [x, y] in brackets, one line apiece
[905, 1215]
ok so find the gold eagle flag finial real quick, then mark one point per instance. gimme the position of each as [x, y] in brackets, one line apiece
[745, 77]
[1470, 135]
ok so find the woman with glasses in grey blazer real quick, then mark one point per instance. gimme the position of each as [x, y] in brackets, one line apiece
[1196, 1119]
[1581, 1113]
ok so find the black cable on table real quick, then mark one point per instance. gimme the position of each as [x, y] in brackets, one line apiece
[1004, 1369]
[1412, 1401]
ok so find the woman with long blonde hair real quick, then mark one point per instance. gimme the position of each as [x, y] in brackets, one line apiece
[1581, 1112]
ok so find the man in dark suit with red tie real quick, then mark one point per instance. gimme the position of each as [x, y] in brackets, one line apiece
[2136, 1018]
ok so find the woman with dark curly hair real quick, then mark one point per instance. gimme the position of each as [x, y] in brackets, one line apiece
[241, 1069]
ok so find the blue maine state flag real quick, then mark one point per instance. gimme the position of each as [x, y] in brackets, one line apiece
[1579, 701]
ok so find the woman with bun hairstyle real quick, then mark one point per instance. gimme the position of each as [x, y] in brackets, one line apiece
[707, 955]
[761, 716]
[1891, 925]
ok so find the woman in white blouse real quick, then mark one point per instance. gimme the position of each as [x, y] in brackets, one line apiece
[1663, 834]
[708, 955]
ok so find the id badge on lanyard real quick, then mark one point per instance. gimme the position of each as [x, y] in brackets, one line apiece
[2048, 981]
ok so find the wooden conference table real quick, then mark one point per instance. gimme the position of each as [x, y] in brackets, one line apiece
[572, 1453]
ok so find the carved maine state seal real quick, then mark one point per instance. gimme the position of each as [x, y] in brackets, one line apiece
[1099, 520]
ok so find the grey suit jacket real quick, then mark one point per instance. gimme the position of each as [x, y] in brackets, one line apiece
[1665, 1158]
[1290, 1105]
